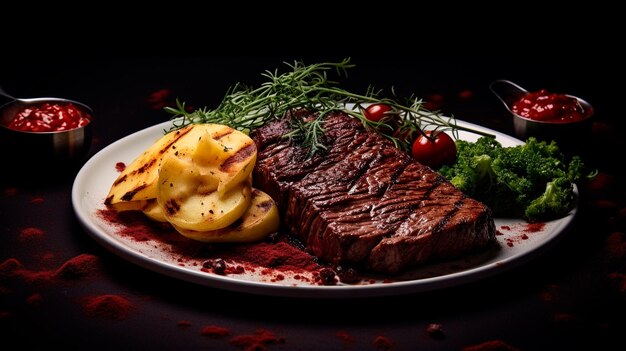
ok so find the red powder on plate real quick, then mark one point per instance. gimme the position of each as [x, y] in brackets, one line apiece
[382, 343]
[34, 299]
[213, 331]
[257, 341]
[505, 227]
[37, 200]
[534, 227]
[112, 307]
[120, 166]
[78, 267]
[280, 255]
[30, 233]
[492, 345]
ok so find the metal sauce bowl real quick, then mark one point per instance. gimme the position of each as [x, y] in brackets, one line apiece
[34, 150]
[568, 135]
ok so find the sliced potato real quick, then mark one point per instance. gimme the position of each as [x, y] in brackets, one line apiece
[220, 151]
[128, 206]
[226, 154]
[138, 180]
[260, 219]
[154, 211]
[190, 199]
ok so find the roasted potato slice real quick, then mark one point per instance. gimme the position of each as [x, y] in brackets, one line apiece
[190, 199]
[260, 219]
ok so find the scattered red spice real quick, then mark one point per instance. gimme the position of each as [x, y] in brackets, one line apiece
[524, 237]
[505, 227]
[491, 345]
[605, 204]
[603, 184]
[382, 343]
[120, 166]
[550, 293]
[10, 267]
[10, 191]
[498, 233]
[619, 280]
[78, 267]
[184, 324]
[35, 299]
[37, 200]
[534, 227]
[279, 256]
[345, 337]
[257, 341]
[30, 233]
[433, 102]
[509, 242]
[466, 95]
[213, 331]
[562, 317]
[615, 245]
[435, 331]
[157, 100]
[109, 306]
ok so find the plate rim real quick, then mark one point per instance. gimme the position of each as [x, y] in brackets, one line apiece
[304, 291]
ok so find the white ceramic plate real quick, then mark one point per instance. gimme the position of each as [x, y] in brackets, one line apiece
[517, 242]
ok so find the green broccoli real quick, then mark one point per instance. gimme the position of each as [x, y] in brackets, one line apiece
[555, 200]
[511, 179]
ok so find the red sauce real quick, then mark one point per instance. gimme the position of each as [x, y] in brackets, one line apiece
[120, 166]
[49, 118]
[543, 105]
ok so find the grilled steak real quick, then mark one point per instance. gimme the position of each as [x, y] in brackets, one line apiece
[364, 202]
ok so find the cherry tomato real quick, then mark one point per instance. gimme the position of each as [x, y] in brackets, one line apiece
[441, 151]
[376, 112]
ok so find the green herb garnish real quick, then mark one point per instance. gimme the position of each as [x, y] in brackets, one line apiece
[308, 87]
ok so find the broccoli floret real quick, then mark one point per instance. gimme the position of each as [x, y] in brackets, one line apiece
[511, 179]
[555, 200]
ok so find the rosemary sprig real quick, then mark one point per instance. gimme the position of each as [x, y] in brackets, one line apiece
[308, 87]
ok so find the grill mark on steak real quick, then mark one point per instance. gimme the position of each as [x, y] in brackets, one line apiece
[364, 202]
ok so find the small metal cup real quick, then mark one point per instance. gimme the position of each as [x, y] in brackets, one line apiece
[570, 136]
[35, 150]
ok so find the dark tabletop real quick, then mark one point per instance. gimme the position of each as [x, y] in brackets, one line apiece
[570, 297]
